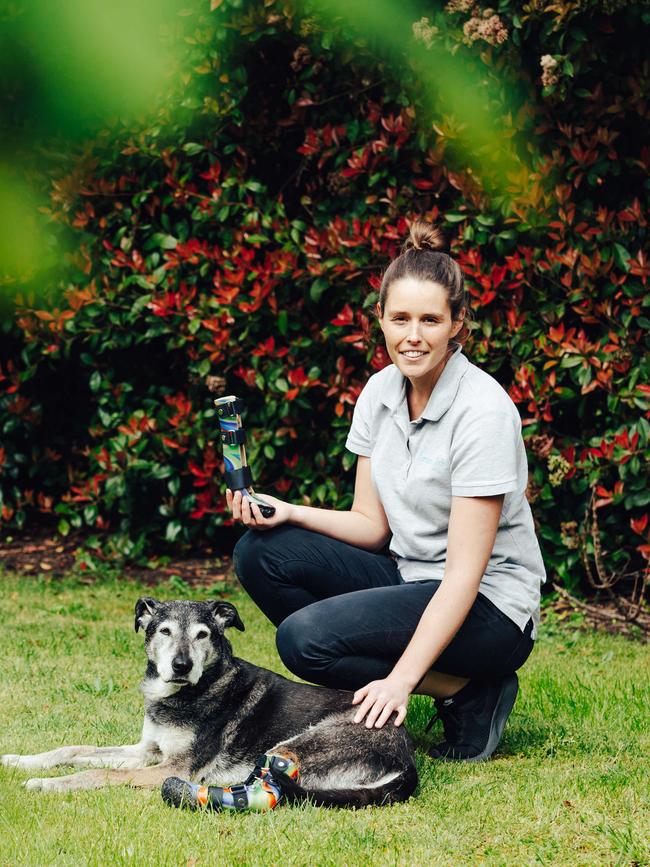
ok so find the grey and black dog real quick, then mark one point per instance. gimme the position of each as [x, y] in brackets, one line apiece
[209, 716]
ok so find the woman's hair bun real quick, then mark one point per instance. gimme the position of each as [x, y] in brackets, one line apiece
[425, 236]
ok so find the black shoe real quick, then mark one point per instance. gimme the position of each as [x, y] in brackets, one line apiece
[473, 720]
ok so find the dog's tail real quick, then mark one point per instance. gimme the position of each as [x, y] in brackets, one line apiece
[392, 788]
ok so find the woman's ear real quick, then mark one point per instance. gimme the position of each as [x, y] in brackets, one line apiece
[378, 313]
[458, 323]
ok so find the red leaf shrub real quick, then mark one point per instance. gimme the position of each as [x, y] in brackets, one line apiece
[245, 239]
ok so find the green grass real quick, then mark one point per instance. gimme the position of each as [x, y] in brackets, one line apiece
[569, 784]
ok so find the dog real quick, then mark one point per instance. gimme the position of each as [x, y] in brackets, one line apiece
[209, 715]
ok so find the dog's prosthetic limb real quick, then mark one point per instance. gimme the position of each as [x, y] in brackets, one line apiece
[260, 792]
[233, 436]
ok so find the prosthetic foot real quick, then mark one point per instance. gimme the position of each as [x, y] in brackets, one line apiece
[233, 437]
[260, 792]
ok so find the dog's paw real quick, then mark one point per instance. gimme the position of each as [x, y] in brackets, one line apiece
[12, 761]
[46, 784]
[25, 763]
[35, 784]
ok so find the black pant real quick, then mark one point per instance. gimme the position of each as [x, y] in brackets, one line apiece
[345, 616]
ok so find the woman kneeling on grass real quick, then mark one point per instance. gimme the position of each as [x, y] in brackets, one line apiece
[452, 611]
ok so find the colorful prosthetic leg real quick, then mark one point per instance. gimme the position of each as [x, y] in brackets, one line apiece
[233, 436]
[260, 792]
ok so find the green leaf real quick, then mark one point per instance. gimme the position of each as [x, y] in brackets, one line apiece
[174, 486]
[165, 242]
[622, 256]
[348, 460]
[173, 530]
[160, 471]
[571, 361]
[317, 288]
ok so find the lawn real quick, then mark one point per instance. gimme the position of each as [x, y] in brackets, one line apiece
[568, 785]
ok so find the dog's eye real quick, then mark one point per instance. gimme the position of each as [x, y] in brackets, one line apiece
[165, 631]
[202, 634]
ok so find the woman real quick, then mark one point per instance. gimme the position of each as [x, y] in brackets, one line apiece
[452, 611]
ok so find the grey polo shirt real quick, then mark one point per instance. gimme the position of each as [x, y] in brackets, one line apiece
[467, 443]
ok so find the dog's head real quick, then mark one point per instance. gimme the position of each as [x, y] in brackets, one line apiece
[183, 640]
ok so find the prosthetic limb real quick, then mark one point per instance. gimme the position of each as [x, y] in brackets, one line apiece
[233, 436]
[260, 792]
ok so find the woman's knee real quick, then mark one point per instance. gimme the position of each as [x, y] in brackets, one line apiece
[253, 555]
[246, 556]
[260, 555]
[300, 643]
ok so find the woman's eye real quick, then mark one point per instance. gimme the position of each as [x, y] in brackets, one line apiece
[165, 631]
[202, 634]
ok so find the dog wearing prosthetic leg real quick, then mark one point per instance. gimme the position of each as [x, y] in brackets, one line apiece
[212, 718]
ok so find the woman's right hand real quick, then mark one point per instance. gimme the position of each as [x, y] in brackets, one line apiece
[249, 513]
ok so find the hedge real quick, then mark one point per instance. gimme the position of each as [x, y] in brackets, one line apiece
[243, 238]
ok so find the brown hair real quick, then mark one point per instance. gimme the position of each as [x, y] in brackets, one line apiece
[424, 256]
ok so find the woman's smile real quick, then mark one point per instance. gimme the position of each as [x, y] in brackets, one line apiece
[413, 354]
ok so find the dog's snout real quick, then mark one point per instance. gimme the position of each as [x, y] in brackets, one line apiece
[181, 664]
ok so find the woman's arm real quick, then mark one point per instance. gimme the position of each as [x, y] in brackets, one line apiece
[473, 525]
[365, 525]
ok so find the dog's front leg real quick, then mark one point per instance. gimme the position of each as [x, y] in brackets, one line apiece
[128, 756]
[98, 778]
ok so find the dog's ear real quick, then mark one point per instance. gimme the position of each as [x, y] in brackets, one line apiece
[226, 613]
[144, 609]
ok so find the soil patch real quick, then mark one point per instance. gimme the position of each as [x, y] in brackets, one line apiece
[40, 552]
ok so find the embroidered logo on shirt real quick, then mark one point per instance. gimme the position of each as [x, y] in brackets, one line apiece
[436, 462]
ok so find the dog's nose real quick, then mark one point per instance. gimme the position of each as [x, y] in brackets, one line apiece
[181, 664]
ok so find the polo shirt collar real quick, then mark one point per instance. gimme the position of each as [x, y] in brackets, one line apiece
[443, 393]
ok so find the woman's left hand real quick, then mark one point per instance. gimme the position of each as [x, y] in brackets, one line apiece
[380, 699]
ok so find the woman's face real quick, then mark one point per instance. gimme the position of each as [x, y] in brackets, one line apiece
[417, 326]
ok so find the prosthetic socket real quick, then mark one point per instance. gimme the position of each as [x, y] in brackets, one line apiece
[233, 436]
[259, 793]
